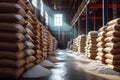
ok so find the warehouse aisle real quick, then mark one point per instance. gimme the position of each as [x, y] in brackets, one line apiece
[67, 69]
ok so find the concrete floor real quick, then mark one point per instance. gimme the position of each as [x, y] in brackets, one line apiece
[67, 69]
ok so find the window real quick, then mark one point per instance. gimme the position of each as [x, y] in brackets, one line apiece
[46, 17]
[58, 19]
[41, 2]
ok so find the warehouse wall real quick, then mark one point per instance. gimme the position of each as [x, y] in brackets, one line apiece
[62, 33]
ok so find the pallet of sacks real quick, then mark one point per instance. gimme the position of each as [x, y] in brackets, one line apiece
[75, 45]
[101, 45]
[81, 43]
[16, 44]
[112, 45]
[91, 48]
[44, 42]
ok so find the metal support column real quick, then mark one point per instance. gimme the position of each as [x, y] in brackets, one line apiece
[114, 9]
[105, 12]
[79, 26]
[87, 19]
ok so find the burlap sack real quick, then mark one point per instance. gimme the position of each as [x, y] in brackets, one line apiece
[35, 37]
[116, 67]
[38, 52]
[101, 54]
[20, 2]
[37, 33]
[11, 27]
[12, 55]
[30, 59]
[102, 29]
[11, 73]
[93, 33]
[112, 39]
[112, 51]
[100, 39]
[100, 49]
[29, 32]
[29, 52]
[29, 45]
[29, 26]
[7, 63]
[101, 44]
[28, 38]
[39, 60]
[11, 37]
[101, 34]
[29, 19]
[37, 46]
[39, 56]
[112, 62]
[112, 56]
[92, 36]
[102, 59]
[12, 18]
[30, 6]
[12, 8]
[113, 34]
[29, 13]
[28, 66]
[37, 41]
[113, 45]
[6, 46]
[113, 27]
[114, 21]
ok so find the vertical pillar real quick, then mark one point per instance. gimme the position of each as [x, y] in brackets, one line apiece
[114, 9]
[87, 19]
[79, 26]
[105, 11]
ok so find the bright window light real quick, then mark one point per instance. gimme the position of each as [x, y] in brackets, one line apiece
[58, 19]
[46, 17]
[34, 2]
[41, 2]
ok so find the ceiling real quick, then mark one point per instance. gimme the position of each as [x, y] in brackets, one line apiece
[60, 4]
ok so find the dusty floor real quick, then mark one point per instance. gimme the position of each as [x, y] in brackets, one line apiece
[71, 66]
[67, 69]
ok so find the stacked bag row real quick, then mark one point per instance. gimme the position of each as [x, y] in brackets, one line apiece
[44, 40]
[101, 45]
[81, 43]
[75, 45]
[91, 48]
[16, 51]
[112, 45]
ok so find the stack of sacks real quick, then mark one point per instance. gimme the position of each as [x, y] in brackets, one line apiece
[50, 44]
[16, 49]
[81, 43]
[101, 44]
[44, 41]
[30, 29]
[75, 45]
[112, 46]
[32, 19]
[91, 43]
[37, 41]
